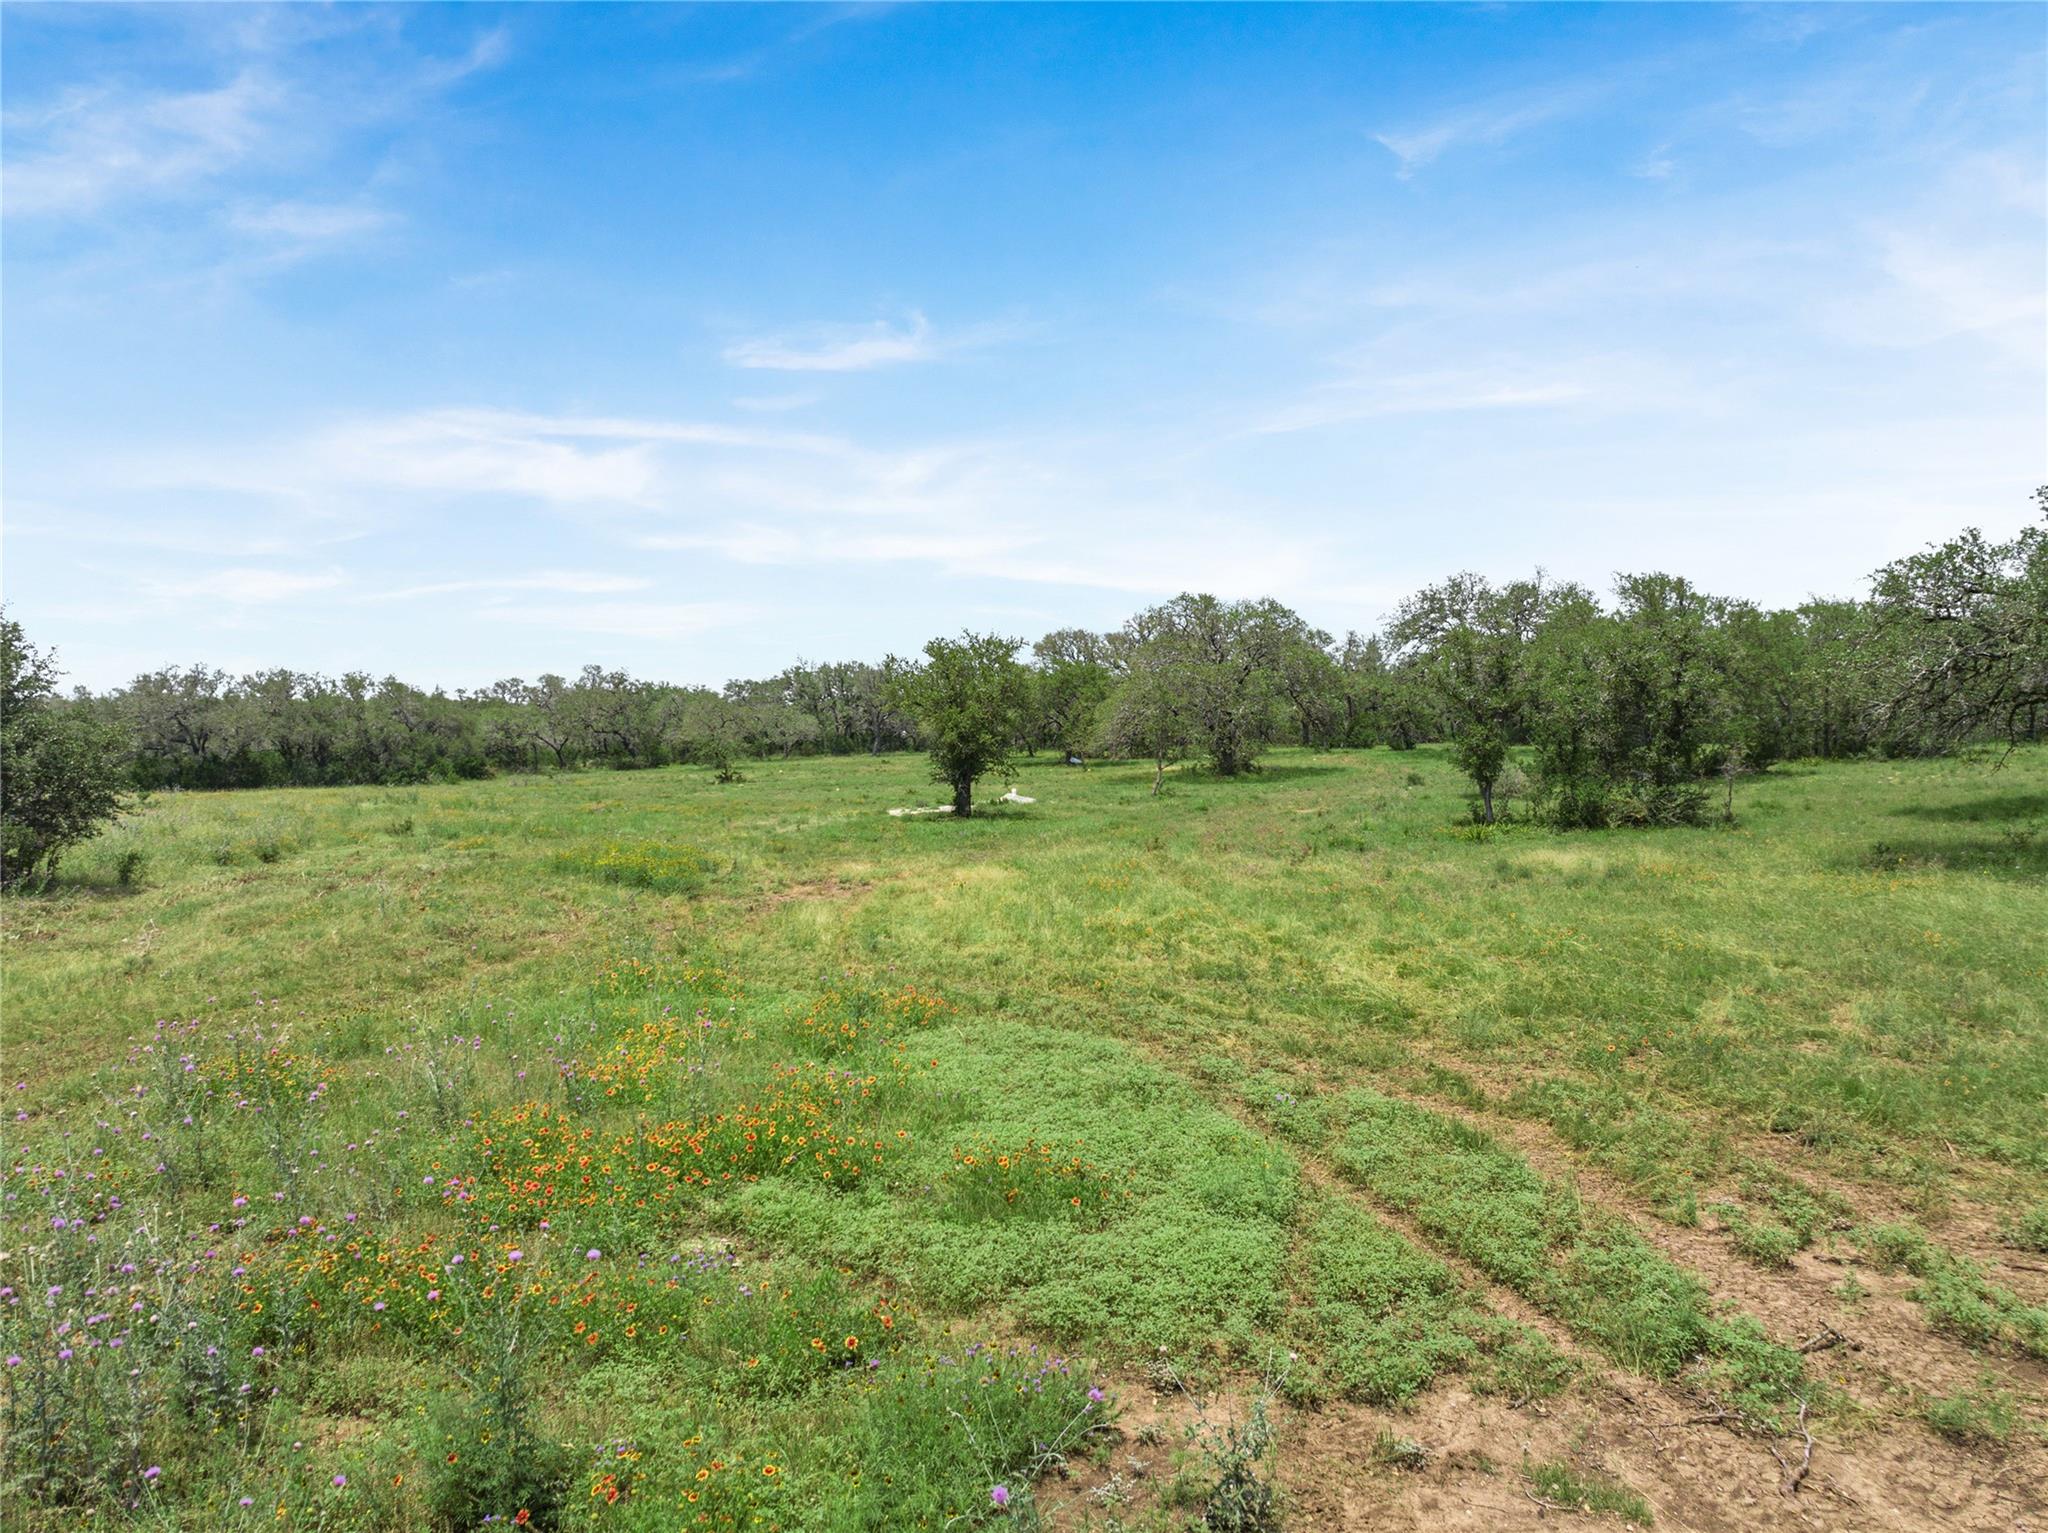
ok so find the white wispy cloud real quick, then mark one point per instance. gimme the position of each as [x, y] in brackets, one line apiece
[486, 51]
[1656, 165]
[458, 453]
[748, 65]
[839, 348]
[216, 534]
[244, 587]
[755, 543]
[1134, 550]
[97, 144]
[96, 148]
[1488, 124]
[1965, 256]
[1107, 513]
[593, 461]
[773, 404]
[862, 348]
[626, 620]
[565, 582]
[310, 223]
[1939, 287]
[1360, 399]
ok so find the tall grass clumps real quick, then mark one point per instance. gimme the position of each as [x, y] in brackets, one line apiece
[1956, 1295]
[1568, 1489]
[1983, 1415]
[659, 869]
[1029, 1181]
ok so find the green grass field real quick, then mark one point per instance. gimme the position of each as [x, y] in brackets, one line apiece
[809, 1167]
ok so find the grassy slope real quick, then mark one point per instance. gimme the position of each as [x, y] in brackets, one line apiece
[1858, 966]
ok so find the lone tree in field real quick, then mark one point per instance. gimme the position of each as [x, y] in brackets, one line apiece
[970, 698]
[60, 769]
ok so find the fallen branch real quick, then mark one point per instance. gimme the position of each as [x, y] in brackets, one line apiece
[1827, 1337]
[1794, 1478]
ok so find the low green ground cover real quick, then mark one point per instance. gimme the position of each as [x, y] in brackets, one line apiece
[857, 1111]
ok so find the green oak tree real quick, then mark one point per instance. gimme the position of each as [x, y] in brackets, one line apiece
[969, 697]
[61, 772]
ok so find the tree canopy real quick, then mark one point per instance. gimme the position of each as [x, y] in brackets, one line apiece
[61, 773]
[970, 698]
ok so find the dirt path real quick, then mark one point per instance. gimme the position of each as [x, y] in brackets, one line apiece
[1872, 1466]
[1968, 1225]
[1893, 1344]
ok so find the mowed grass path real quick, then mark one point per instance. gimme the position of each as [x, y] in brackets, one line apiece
[1860, 963]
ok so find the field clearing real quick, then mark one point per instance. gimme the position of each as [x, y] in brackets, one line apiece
[1544, 1155]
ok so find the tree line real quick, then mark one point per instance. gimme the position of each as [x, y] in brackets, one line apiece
[199, 727]
[1589, 711]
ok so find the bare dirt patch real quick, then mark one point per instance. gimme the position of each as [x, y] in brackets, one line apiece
[1470, 1454]
[1694, 1476]
[829, 888]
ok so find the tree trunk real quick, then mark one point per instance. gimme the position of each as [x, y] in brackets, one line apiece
[963, 798]
[1486, 798]
[1158, 774]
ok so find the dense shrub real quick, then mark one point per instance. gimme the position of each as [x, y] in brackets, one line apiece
[60, 771]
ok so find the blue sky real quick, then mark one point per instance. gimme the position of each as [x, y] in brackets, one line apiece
[464, 342]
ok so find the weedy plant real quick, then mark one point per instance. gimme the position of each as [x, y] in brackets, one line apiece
[1237, 1489]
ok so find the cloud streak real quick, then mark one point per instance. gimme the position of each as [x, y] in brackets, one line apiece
[839, 348]
[250, 587]
[1487, 124]
[565, 582]
[1418, 394]
[98, 145]
[659, 621]
[861, 348]
[99, 149]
